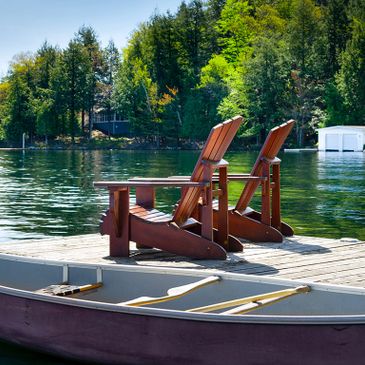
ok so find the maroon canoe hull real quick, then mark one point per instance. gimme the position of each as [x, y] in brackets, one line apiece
[94, 335]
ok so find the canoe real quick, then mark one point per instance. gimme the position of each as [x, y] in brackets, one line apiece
[127, 314]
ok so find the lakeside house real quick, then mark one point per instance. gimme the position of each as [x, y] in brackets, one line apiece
[341, 138]
[111, 124]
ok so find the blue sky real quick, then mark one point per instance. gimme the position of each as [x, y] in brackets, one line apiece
[26, 24]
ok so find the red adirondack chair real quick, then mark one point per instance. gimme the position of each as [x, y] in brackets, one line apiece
[244, 222]
[264, 226]
[267, 225]
[178, 233]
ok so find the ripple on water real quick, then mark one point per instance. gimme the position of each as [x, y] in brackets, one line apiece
[51, 193]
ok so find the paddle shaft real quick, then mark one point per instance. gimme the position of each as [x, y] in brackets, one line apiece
[254, 298]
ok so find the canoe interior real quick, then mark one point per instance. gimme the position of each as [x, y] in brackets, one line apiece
[120, 285]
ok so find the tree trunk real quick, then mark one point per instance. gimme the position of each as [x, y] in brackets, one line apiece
[83, 120]
[300, 137]
[179, 124]
[90, 113]
[72, 115]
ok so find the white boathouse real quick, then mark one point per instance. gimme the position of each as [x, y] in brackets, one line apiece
[341, 138]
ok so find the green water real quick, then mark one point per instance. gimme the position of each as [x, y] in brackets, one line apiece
[50, 193]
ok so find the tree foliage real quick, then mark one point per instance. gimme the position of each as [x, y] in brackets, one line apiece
[351, 77]
[181, 73]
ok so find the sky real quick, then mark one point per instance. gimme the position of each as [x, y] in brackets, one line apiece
[26, 24]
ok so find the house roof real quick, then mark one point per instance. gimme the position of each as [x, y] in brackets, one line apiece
[358, 127]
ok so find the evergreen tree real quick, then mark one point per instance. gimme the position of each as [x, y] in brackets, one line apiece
[21, 117]
[43, 102]
[86, 36]
[4, 104]
[45, 61]
[303, 33]
[20, 113]
[76, 68]
[305, 40]
[135, 96]
[111, 63]
[337, 33]
[267, 79]
[164, 68]
[351, 77]
[191, 25]
[213, 14]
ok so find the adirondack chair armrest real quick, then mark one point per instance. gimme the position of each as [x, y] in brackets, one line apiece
[215, 164]
[271, 161]
[175, 179]
[185, 177]
[231, 177]
[245, 177]
[148, 184]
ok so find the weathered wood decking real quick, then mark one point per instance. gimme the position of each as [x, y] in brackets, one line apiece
[305, 258]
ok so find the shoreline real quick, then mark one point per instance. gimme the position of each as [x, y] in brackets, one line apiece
[142, 147]
[252, 149]
[124, 143]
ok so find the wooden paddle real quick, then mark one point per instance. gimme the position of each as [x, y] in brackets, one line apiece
[172, 293]
[253, 302]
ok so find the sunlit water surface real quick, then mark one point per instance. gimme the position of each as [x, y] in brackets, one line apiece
[45, 194]
[50, 193]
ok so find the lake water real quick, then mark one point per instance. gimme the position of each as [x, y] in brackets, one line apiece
[50, 193]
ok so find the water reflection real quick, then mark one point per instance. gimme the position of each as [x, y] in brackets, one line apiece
[49, 193]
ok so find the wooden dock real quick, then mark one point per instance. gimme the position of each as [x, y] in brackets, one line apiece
[311, 259]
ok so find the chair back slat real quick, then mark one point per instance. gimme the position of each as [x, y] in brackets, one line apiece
[271, 147]
[214, 149]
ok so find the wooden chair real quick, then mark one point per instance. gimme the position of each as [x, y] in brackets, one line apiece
[245, 222]
[264, 226]
[177, 233]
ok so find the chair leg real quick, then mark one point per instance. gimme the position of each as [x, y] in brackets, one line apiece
[207, 207]
[115, 223]
[265, 195]
[223, 225]
[275, 199]
[146, 198]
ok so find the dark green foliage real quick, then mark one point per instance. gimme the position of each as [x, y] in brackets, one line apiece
[163, 65]
[135, 96]
[93, 68]
[180, 74]
[78, 91]
[267, 81]
[336, 24]
[304, 31]
[351, 77]
[335, 109]
[20, 113]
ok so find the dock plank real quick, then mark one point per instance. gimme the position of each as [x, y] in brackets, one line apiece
[311, 259]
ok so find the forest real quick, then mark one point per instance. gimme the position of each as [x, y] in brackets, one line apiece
[182, 73]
